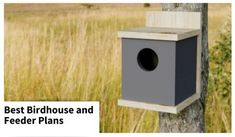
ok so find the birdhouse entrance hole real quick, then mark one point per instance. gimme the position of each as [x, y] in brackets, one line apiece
[147, 59]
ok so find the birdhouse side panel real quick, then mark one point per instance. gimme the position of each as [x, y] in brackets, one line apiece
[186, 59]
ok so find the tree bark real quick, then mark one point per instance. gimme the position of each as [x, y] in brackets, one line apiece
[191, 119]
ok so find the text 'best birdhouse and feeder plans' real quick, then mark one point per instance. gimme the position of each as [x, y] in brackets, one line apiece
[161, 63]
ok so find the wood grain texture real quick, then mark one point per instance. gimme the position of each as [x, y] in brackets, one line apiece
[190, 119]
[156, 33]
[170, 19]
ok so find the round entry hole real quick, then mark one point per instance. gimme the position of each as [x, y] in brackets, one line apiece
[147, 59]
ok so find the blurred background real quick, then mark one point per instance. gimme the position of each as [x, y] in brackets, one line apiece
[70, 52]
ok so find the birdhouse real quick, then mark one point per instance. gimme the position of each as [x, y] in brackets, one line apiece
[161, 62]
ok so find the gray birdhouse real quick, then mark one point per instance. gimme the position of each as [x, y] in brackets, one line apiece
[161, 62]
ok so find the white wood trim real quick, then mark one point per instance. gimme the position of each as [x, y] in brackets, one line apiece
[187, 102]
[169, 34]
[152, 36]
[198, 72]
[157, 107]
[173, 19]
[189, 34]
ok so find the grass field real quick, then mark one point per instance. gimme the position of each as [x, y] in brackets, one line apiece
[71, 52]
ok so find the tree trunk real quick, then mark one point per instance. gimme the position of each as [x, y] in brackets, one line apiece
[191, 119]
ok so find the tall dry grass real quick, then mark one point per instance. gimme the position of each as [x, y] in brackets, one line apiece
[74, 54]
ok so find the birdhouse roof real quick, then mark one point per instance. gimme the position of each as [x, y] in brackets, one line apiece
[154, 33]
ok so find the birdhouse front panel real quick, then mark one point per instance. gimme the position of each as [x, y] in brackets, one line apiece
[157, 71]
[148, 71]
